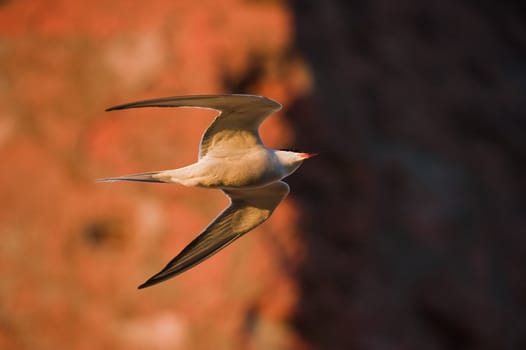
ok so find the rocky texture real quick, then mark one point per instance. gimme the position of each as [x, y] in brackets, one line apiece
[414, 216]
[72, 252]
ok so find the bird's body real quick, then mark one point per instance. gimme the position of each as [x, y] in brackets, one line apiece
[232, 158]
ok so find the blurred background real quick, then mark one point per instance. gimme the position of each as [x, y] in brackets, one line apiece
[407, 232]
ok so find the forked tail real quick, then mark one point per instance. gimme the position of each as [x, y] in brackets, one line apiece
[142, 177]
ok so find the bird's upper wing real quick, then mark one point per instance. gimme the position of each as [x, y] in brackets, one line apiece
[249, 208]
[235, 127]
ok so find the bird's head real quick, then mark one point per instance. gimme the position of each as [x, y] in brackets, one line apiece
[290, 160]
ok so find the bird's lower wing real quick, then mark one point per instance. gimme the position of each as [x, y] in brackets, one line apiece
[249, 208]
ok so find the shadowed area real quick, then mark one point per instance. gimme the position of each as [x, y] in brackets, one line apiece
[414, 216]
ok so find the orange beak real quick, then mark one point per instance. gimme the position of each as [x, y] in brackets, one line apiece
[308, 155]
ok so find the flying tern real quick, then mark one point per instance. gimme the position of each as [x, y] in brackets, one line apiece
[231, 158]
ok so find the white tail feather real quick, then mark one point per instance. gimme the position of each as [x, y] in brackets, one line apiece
[141, 177]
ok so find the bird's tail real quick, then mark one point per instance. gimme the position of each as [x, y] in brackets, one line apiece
[141, 177]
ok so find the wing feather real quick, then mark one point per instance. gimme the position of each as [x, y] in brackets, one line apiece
[249, 208]
[237, 122]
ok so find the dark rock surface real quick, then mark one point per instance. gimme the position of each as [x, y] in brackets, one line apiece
[414, 217]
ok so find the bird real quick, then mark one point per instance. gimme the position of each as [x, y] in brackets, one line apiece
[231, 158]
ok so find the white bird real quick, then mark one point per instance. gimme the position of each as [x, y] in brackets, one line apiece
[232, 158]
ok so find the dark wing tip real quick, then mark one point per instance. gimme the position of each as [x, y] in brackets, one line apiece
[150, 283]
[144, 285]
[160, 277]
[123, 106]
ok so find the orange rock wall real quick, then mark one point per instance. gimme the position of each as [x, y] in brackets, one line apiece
[72, 251]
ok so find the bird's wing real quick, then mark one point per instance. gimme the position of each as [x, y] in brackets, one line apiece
[248, 209]
[235, 127]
